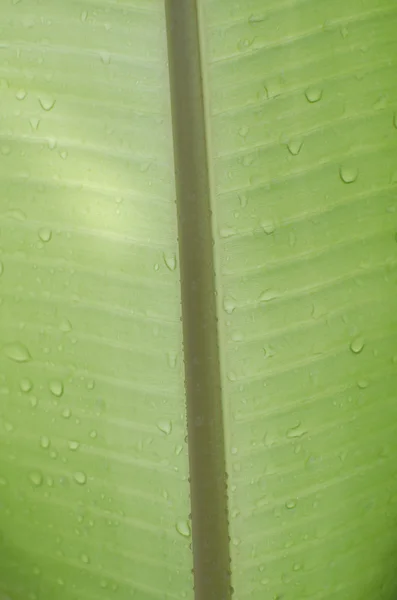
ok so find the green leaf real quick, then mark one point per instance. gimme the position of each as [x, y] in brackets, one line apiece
[198, 225]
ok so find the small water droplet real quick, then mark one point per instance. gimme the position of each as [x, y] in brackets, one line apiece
[268, 295]
[105, 57]
[243, 200]
[80, 477]
[268, 227]
[63, 154]
[183, 527]
[290, 504]
[65, 326]
[229, 305]
[297, 431]
[56, 387]
[243, 131]
[25, 385]
[171, 359]
[362, 384]
[170, 261]
[34, 123]
[17, 352]
[357, 345]
[47, 103]
[165, 426]
[348, 174]
[93, 434]
[52, 143]
[294, 146]
[66, 413]
[21, 94]
[83, 16]
[344, 32]
[255, 19]
[85, 558]
[36, 478]
[33, 401]
[73, 445]
[45, 234]
[313, 94]
[45, 442]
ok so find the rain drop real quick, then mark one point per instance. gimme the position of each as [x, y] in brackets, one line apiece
[17, 352]
[80, 477]
[65, 326]
[93, 434]
[105, 57]
[296, 432]
[348, 174]
[45, 234]
[21, 94]
[170, 261]
[268, 227]
[171, 359]
[85, 559]
[229, 305]
[66, 413]
[25, 385]
[36, 478]
[294, 146]
[165, 426]
[183, 527]
[34, 123]
[83, 16]
[56, 387]
[290, 504]
[313, 94]
[45, 442]
[362, 384]
[73, 445]
[243, 131]
[357, 345]
[47, 102]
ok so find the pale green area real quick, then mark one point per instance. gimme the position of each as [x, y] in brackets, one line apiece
[303, 146]
[94, 493]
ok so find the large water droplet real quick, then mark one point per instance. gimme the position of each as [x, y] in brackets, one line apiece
[36, 478]
[183, 527]
[165, 426]
[17, 351]
[45, 234]
[80, 477]
[56, 387]
[47, 102]
[348, 174]
[313, 94]
[170, 261]
[357, 345]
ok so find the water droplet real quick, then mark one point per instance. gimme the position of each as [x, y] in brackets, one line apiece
[34, 123]
[290, 504]
[183, 527]
[344, 32]
[297, 431]
[268, 295]
[229, 305]
[165, 426]
[83, 16]
[52, 143]
[36, 478]
[45, 234]
[171, 359]
[17, 352]
[63, 154]
[362, 384]
[73, 445]
[294, 146]
[93, 434]
[348, 174]
[254, 19]
[56, 387]
[313, 94]
[47, 103]
[66, 413]
[170, 261]
[33, 401]
[25, 385]
[243, 200]
[21, 94]
[357, 345]
[268, 227]
[243, 131]
[45, 442]
[80, 477]
[90, 385]
[105, 57]
[65, 326]
[85, 558]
